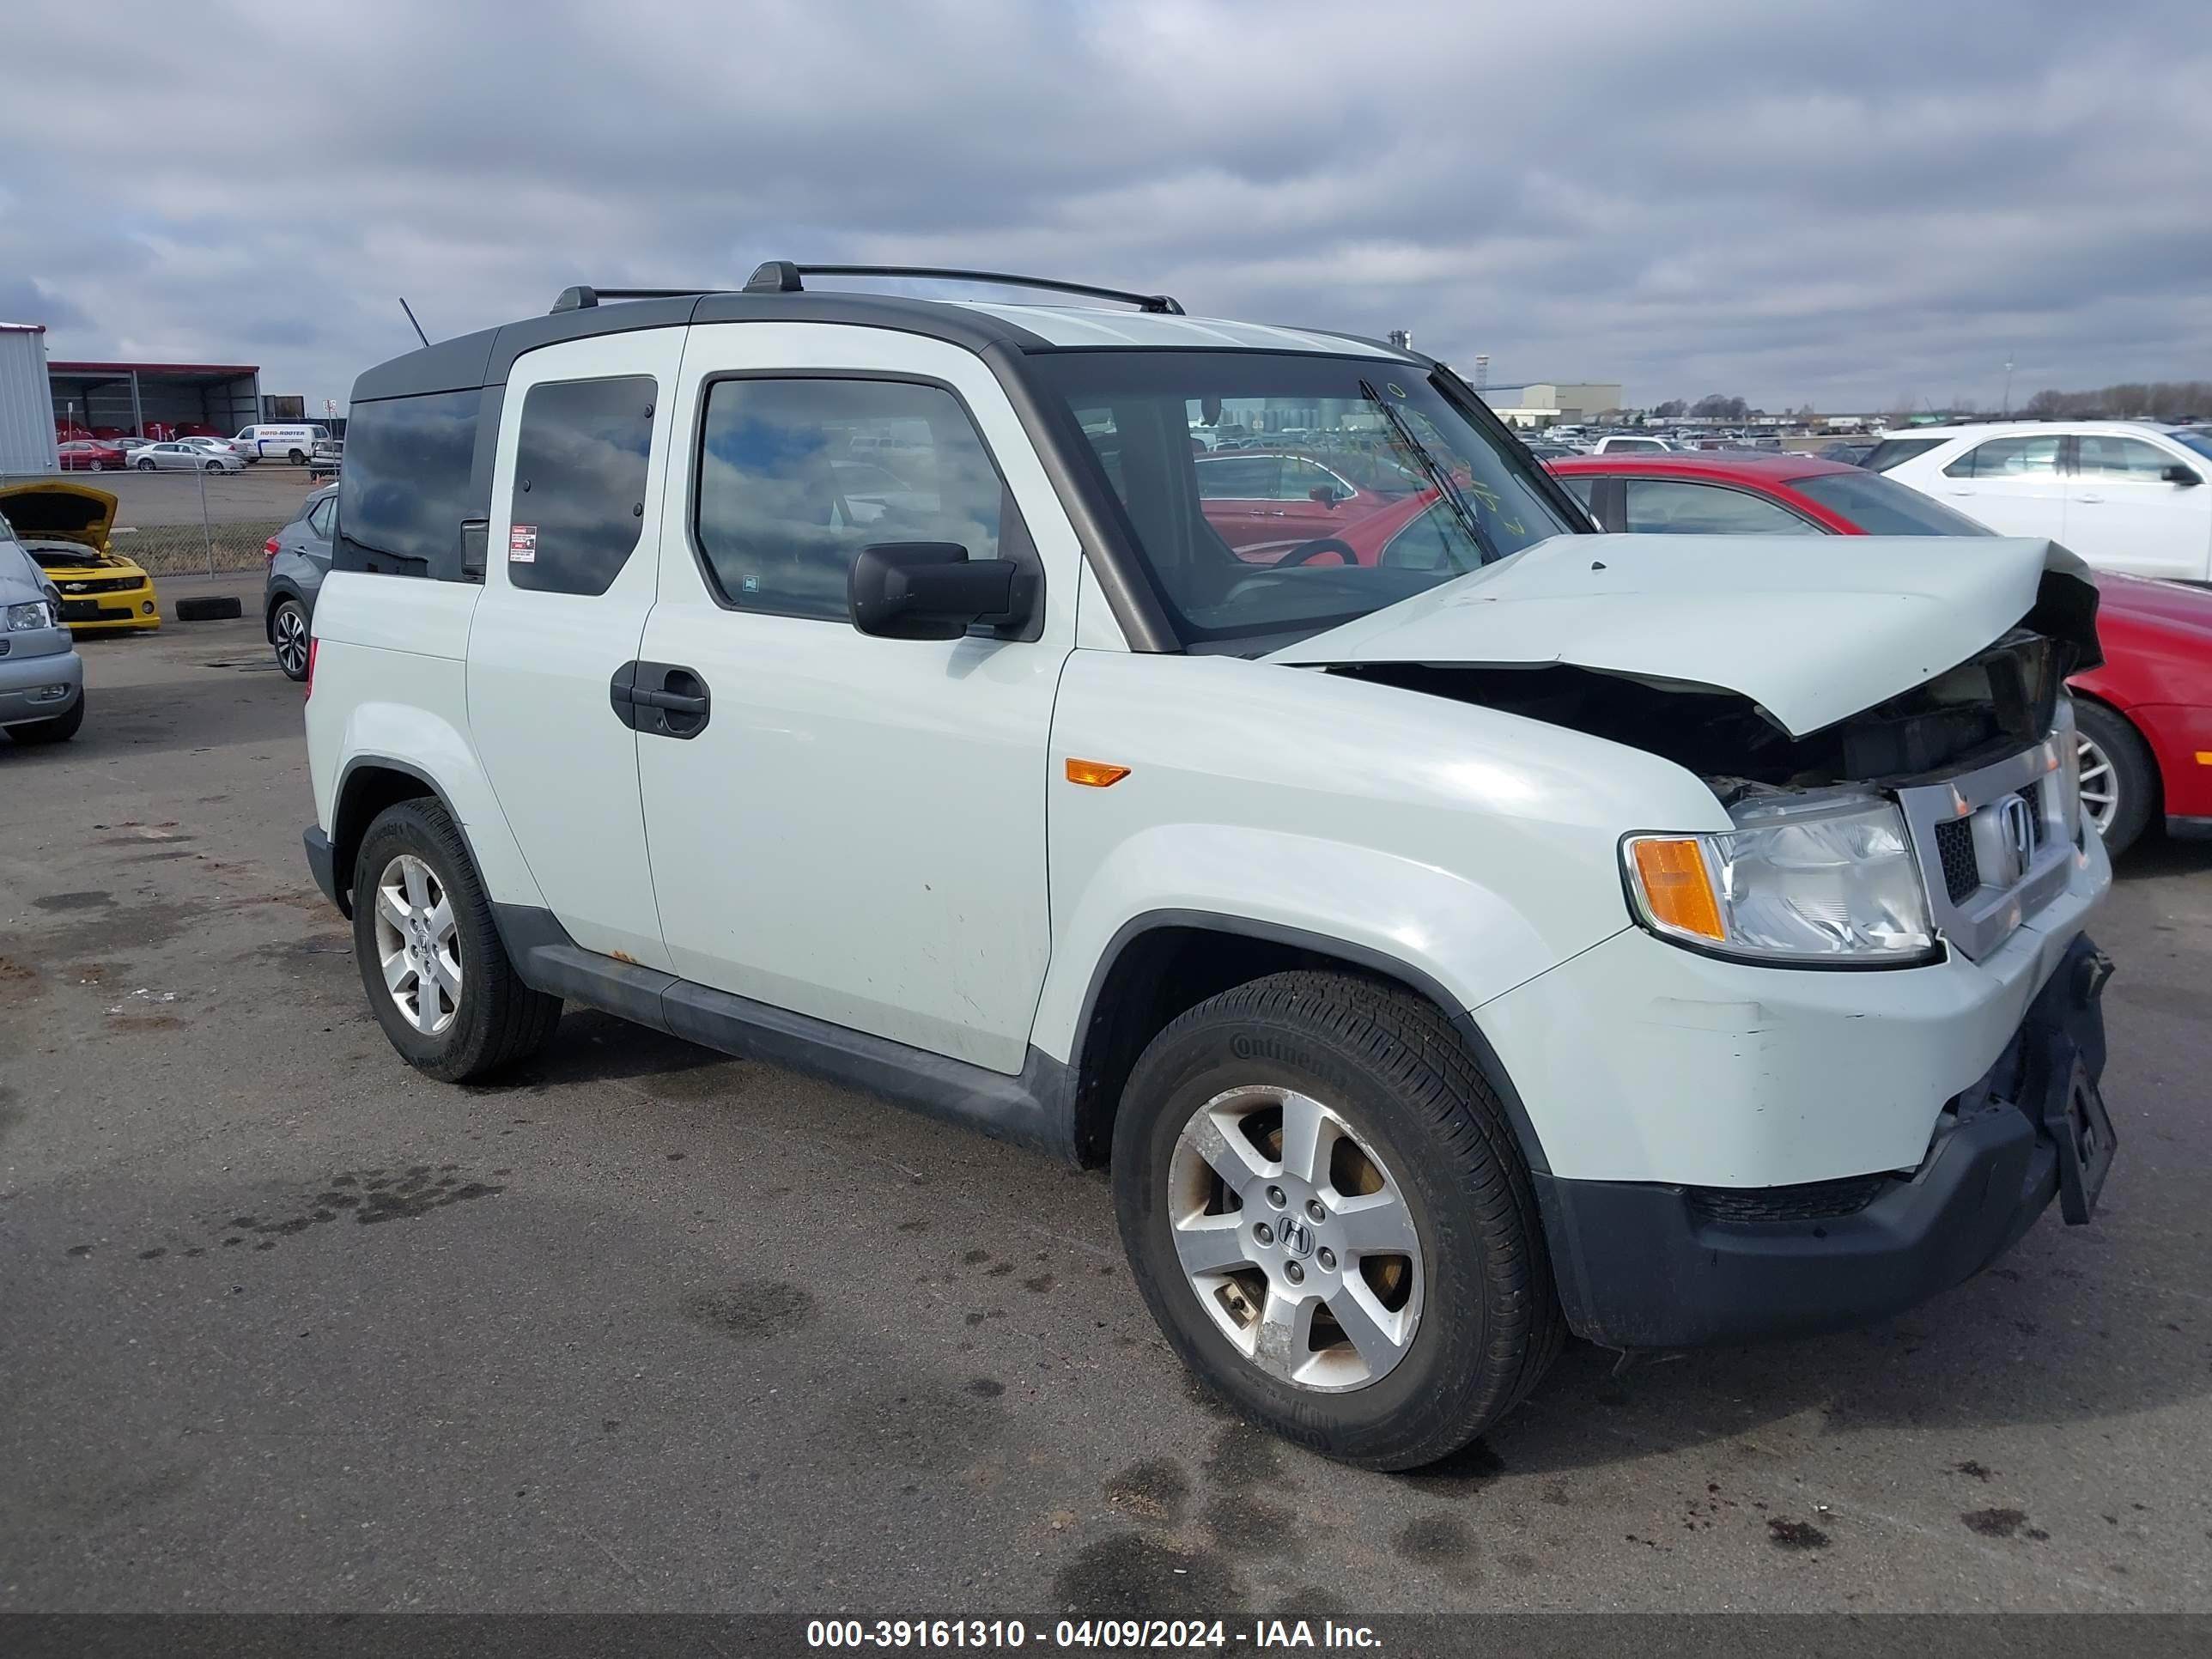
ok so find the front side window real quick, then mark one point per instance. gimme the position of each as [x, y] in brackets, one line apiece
[579, 497]
[797, 476]
[1465, 495]
[2099, 455]
[405, 491]
[2009, 457]
[1675, 506]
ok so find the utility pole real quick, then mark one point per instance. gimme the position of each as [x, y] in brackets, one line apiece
[2008, 391]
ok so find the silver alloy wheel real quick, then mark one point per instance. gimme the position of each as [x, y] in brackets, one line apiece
[418, 944]
[2100, 784]
[1295, 1238]
[291, 632]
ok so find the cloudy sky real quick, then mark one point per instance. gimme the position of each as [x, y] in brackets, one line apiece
[1787, 200]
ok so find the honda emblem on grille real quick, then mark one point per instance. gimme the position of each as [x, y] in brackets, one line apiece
[2016, 818]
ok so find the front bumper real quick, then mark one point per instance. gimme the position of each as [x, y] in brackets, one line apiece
[1643, 1267]
[23, 677]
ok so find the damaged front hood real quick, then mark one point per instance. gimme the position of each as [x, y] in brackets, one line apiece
[1811, 629]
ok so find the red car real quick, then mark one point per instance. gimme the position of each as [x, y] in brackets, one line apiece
[90, 455]
[1267, 503]
[2145, 715]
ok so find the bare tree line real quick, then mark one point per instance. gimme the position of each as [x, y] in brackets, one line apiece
[2130, 400]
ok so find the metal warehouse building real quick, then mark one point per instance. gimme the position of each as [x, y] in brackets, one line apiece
[125, 399]
[26, 426]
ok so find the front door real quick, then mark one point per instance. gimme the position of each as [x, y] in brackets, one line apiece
[2123, 513]
[847, 826]
[570, 571]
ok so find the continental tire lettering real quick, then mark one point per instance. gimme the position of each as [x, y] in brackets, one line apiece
[1246, 1046]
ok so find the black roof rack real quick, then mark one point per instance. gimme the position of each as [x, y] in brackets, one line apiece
[583, 297]
[782, 276]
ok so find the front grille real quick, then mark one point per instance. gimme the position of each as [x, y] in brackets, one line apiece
[103, 584]
[1962, 871]
[1815, 1200]
[2034, 796]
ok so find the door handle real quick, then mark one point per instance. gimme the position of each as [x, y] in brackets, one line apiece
[2088, 498]
[659, 699]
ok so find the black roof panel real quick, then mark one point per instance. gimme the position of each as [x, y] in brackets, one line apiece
[485, 357]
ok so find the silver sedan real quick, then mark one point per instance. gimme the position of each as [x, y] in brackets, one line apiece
[186, 457]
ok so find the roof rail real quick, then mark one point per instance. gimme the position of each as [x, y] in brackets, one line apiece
[583, 298]
[782, 276]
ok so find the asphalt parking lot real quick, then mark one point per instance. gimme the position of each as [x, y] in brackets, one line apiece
[283, 1326]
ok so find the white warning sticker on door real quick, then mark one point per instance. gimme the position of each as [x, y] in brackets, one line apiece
[522, 543]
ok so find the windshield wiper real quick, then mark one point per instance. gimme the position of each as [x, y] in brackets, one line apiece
[1439, 480]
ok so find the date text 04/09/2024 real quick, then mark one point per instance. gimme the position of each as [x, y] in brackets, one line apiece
[1263, 1635]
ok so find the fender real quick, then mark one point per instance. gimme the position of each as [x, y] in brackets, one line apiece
[439, 757]
[1467, 941]
[1382, 963]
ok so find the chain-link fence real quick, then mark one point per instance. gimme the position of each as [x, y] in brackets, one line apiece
[172, 523]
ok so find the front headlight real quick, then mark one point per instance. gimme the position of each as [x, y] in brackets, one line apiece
[1829, 879]
[22, 618]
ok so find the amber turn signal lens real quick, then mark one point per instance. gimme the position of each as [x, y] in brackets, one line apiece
[1096, 774]
[1676, 889]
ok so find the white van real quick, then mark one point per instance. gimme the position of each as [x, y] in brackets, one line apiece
[295, 443]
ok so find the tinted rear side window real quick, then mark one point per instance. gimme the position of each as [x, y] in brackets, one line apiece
[578, 500]
[404, 489]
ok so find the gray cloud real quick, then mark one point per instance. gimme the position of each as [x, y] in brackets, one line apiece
[1844, 205]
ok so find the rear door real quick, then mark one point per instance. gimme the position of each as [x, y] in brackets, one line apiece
[571, 571]
[2015, 485]
[2123, 513]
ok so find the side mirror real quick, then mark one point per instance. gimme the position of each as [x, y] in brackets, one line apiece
[2178, 474]
[1325, 494]
[933, 591]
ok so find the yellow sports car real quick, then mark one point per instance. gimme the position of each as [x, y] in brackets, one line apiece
[64, 527]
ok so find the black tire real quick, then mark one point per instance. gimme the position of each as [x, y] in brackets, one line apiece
[295, 457]
[497, 1019]
[287, 623]
[2134, 774]
[146, 466]
[208, 607]
[60, 729]
[1391, 1066]
[214, 466]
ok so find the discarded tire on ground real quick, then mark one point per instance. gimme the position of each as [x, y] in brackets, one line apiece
[209, 608]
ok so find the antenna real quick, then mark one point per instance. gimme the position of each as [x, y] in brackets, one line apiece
[409, 310]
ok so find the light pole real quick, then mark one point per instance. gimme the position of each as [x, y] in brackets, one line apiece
[2008, 391]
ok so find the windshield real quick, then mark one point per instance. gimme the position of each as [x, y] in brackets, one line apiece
[1272, 497]
[1883, 506]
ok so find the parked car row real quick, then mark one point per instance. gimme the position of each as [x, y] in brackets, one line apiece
[2145, 715]
[299, 445]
